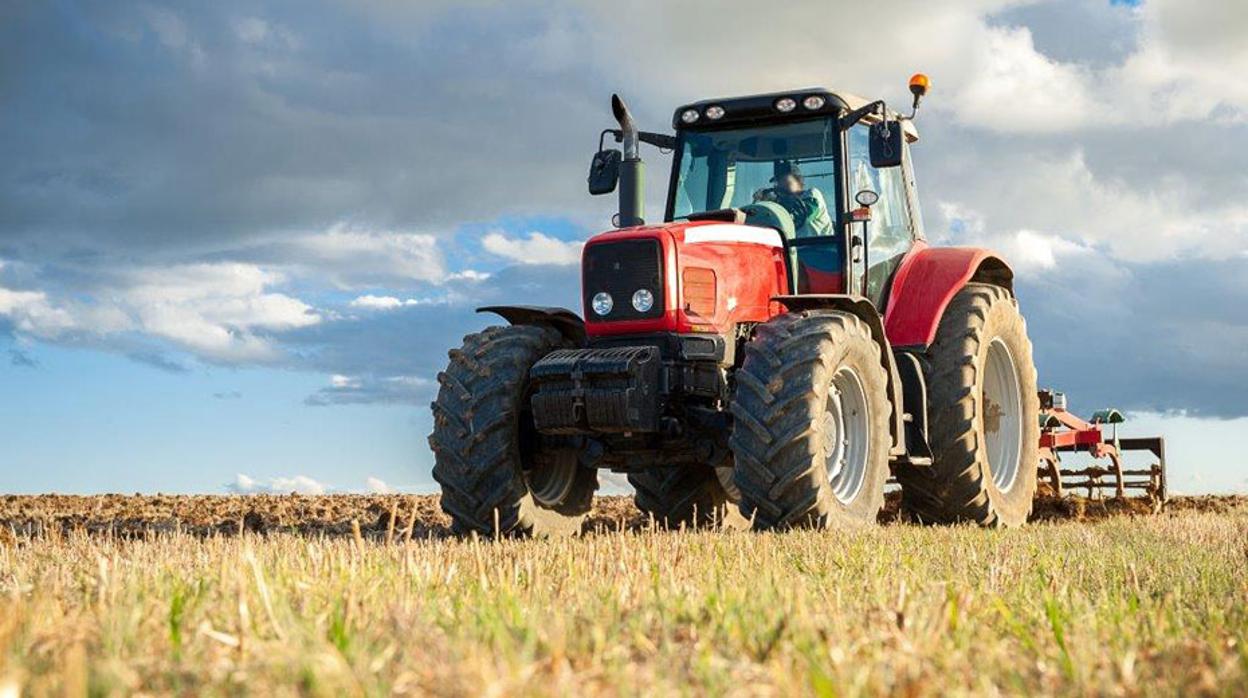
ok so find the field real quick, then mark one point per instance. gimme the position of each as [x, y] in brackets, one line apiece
[286, 595]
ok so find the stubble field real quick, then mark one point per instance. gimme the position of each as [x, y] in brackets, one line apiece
[369, 595]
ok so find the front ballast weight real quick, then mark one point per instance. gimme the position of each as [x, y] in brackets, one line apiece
[1062, 432]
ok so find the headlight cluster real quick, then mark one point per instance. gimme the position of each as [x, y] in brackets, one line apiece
[810, 103]
[713, 112]
[603, 303]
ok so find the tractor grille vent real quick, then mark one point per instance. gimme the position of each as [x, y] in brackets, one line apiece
[620, 269]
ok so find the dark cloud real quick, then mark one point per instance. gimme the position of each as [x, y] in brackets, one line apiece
[393, 356]
[182, 127]
[21, 359]
[1159, 337]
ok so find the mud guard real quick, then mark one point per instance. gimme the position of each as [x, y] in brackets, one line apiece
[865, 311]
[568, 323]
[927, 281]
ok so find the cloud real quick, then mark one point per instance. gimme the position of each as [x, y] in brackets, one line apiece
[371, 389]
[354, 258]
[536, 249]
[22, 359]
[228, 395]
[298, 484]
[219, 312]
[375, 485]
[371, 302]
[1013, 88]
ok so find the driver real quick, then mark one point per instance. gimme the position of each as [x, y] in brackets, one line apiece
[809, 210]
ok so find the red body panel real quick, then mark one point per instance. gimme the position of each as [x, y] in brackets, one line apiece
[927, 280]
[749, 269]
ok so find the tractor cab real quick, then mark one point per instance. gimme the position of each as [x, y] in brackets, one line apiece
[829, 172]
[801, 163]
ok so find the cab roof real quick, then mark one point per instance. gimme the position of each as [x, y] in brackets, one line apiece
[761, 108]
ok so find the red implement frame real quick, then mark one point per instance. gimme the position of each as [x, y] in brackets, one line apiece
[1063, 432]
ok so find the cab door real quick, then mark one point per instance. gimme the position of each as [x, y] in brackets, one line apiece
[892, 229]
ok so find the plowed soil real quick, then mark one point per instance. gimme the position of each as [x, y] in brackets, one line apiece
[414, 516]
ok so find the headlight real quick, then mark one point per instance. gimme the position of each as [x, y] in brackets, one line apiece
[714, 112]
[689, 116]
[602, 303]
[643, 300]
[814, 102]
[786, 104]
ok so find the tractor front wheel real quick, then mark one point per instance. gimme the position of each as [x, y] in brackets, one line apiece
[690, 496]
[810, 435]
[497, 474]
[983, 414]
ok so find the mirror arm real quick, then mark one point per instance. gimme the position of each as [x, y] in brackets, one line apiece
[658, 140]
[862, 112]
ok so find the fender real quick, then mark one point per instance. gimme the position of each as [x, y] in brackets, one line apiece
[865, 311]
[569, 324]
[929, 277]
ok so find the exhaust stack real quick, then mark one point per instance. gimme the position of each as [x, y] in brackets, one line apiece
[632, 169]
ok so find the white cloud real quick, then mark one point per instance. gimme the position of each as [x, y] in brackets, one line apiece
[354, 257]
[1191, 62]
[468, 275]
[212, 310]
[376, 485]
[1011, 87]
[1060, 195]
[536, 249]
[367, 389]
[299, 484]
[371, 302]
[1034, 251]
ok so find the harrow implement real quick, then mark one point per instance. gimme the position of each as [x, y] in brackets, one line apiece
[1062, 432]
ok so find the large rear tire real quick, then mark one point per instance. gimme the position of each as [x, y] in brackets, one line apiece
[810, 436]
[496, 475]
[983, 412]
[685, 496]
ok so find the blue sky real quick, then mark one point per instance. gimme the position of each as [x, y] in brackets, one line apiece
[237, 239]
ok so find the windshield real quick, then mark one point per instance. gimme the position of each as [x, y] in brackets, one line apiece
[793, 165]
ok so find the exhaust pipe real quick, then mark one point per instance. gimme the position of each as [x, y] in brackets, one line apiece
[632, 169]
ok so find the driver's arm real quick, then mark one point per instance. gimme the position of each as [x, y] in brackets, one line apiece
[820, 221]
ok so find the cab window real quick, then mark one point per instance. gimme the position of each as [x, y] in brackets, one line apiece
[889, 233]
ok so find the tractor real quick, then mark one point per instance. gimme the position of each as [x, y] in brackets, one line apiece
[776, 349]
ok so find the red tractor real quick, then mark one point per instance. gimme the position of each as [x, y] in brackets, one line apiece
[780, 344]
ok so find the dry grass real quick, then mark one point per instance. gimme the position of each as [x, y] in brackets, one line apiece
[1124, 606]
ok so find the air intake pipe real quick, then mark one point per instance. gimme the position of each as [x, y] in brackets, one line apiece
[632, 169]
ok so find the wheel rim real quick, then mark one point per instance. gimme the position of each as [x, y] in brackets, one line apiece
[551, 479]
[1002, 415]
[846, 442]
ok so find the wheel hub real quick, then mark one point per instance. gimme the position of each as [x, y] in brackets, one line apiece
[846, 440]
[1002, 415]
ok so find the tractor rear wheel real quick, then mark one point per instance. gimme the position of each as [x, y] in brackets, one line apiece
[810, 436]
[685, 496]
[983, 416]
[497, 475]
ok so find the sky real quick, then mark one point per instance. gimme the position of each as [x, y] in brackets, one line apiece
[237, 238]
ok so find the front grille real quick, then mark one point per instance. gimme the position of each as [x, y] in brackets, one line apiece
[620, 268]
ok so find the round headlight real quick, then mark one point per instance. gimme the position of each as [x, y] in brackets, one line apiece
[714, 112]
[814, 102]
[689, 116]
[643, 300]
[786, 104]
[602, 303]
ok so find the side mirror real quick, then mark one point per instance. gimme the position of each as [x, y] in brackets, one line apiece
[604, 172]
[884, 143]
